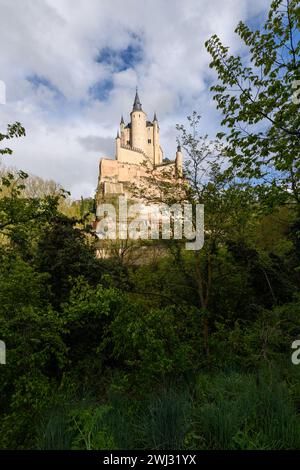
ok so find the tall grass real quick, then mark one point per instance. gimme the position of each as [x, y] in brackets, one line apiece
[226, 411]
[241, 412]
[53, 432]
[165, 421]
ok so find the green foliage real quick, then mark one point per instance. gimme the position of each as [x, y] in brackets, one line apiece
[32, 332]
[147, 342]
[23, 218]
[13, 131]
[257, 102]
[63, 252]
[91, 433]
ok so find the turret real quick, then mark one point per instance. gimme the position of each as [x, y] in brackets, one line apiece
[178, 162]
[122, 127]
[156, 142]
[118, 145]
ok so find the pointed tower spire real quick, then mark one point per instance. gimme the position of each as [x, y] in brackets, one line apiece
[118, 135]
[155, 117]
[122, 119]
[137, 105]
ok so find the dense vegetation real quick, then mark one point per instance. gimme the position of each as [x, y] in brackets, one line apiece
[190, 350]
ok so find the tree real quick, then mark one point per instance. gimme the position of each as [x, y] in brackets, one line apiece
[64, 252]
[36, 353]
[13, 131]
[259, 102]
[230, 220]
[17, 210]
[229, 215]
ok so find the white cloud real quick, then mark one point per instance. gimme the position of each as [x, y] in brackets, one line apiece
[58, 40]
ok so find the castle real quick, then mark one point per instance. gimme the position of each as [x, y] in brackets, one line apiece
[137, 148]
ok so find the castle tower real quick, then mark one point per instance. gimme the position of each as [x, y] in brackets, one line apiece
[138, 125]
[139, 136]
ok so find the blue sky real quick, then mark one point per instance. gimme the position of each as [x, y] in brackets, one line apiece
[71, 69]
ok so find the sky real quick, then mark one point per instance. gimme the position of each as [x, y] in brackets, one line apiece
[71, 68]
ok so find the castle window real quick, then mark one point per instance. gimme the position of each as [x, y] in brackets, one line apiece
[128, 142]
[149, 141]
